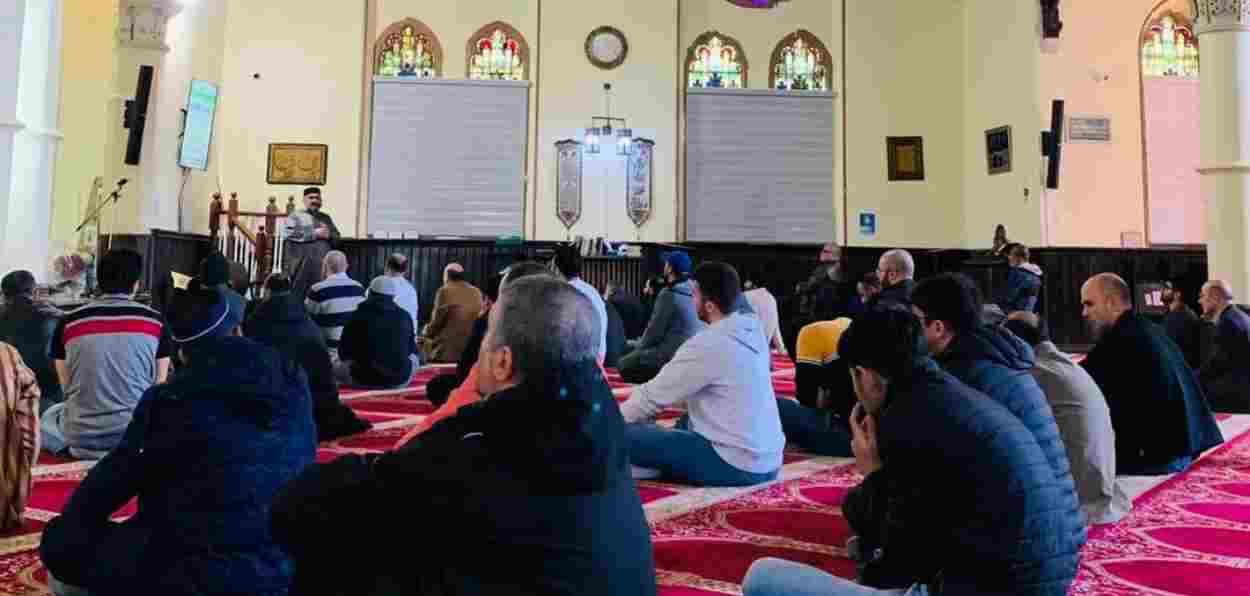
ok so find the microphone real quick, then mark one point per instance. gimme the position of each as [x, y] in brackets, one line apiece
[116, 194]
[122, 182]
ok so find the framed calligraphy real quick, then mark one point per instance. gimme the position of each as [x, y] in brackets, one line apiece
[568, 182]
[639, 182]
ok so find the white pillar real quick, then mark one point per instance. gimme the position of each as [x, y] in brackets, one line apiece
[12, 23]
[1224, 36]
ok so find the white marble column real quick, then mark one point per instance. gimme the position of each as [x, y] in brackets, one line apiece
[12, 23]
[27, 236]
[1224, 36]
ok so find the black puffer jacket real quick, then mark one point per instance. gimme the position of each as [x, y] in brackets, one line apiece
[966, 500]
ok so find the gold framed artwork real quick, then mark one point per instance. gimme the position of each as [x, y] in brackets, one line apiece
[998, 150]
[905, 157]
[297, 163]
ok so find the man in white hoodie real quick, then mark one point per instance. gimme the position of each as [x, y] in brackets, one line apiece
[731, 435]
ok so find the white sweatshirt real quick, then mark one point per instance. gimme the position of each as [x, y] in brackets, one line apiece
[722, 376]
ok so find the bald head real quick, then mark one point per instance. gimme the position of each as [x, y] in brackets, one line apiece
[334, 263]
[1216, 296]
[1104, 299]
[453, 272]
[895, 267]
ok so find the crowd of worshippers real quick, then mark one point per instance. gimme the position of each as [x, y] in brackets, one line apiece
[986, 452]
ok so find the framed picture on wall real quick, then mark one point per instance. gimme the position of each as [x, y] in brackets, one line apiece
[905, 158]
[297, 163]
[998, 150]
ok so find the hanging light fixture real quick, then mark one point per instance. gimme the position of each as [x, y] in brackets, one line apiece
[603, 128]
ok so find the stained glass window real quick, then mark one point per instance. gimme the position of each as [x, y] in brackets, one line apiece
[800, 63]
[1170, 49]
[716, 61]
[499, 53]
[408, 49]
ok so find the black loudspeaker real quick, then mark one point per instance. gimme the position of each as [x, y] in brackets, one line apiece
[137, 115]
[1055, 144]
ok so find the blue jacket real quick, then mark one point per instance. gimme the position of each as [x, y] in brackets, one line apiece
[673, 321]
[966, 498]
[1024, 285]
[995, 362]
[205, 454]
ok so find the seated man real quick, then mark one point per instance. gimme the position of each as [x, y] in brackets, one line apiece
[379, 348]
[206, 455]
[28, 326]
[732, 434]
[1084, 422]
[215, 274]
[527, 492]
[895, 270]
[673, 321]
[332, 301]
[456, 306]
[991, 360]
[19, 408]
[1226, 374]
[633, 313]
[568, 262]
[1183, 325]
[439, 388]
[1024, 282]
[397, 267]
[281, 322]
[957, 497]
[1160, 415]
[817, 422]
[106, 354]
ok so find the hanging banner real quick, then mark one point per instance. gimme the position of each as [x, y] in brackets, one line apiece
[639, 181]
[568, 182]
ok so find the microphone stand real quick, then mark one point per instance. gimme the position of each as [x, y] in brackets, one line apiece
[114, 196]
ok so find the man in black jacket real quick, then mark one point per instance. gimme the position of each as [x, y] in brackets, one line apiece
[633, 314]
[1183, 325]
[378, 348]
[1158, 410]
[896, 270]
[28, 326]
[958, 497]
[280, 321]
[1226, 374]
[528, 491]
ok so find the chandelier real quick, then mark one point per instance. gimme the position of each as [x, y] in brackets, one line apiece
[608, 129]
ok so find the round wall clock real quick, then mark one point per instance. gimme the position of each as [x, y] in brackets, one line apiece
[606, 47]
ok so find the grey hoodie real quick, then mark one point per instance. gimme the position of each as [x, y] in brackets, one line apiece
[673, 321]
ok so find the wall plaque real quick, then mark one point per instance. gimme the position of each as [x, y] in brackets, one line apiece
[998, 149]
[905, 158]
[1090, 129]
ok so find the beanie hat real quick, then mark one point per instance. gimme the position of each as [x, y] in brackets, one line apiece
[201, 315]
[385, 285]
[18, 283]
[679, 261]
[214, 270]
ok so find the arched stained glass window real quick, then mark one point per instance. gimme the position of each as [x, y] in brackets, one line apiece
[716, 60]
[1170, 49]
[800, 63]
[498, 52]
[408, 49]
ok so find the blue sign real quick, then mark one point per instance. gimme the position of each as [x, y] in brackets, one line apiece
[868, 224]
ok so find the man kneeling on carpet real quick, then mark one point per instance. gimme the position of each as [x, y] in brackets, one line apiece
[817, 421]
[958, 496]
[205, 454]
[526, 492]
[732, 434]
[379, 345]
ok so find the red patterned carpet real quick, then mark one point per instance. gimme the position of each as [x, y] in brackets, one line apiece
[1188, 535]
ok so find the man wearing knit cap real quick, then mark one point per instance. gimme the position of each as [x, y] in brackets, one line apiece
[378, 347]
[312, 234]
[205, 454]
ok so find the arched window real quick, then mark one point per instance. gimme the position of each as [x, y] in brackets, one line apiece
[800, 62]
[497, 52]
[1169, 49]
[408, 49]
[716, 60]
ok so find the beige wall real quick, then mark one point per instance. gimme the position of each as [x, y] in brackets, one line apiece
[904, 70]
[86, 84]
[1001, 62]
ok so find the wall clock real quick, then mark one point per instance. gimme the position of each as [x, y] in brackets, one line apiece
[606, 47]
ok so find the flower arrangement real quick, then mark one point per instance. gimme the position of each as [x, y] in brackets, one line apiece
[69, 271]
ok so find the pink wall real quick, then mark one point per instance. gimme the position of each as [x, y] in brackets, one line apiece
[1178, 210]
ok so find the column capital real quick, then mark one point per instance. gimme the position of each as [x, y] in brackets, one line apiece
[1222, 15]
[141, 23]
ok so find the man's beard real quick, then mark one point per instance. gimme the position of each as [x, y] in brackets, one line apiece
[314, 208]
[1096, 329]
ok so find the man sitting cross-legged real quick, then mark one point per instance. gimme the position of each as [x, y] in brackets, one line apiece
[439, 389]
[991, 360]
[527, 492]
[732, 434]
[332, 301]
[1084, 422]
[281, 322]
[817, 422]
[958, 496]
[673, 321]
[1160, 414]
[379, 344]
[205, 454]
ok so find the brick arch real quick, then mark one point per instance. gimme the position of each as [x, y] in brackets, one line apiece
[470, 46]
[826, 59]
[419, 28]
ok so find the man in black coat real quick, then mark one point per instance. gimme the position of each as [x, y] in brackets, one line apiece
[280, 321]
[27, 324]
[1158, 409]
[958, 497]
[1226, 374]
[896, 270]
[528, 491]
[1183, 326]
[634, 315]
[378, 348]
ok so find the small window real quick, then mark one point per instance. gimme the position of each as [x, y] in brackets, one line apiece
[498, 52]
[716, 61]
[1170, 49]
[800, 63]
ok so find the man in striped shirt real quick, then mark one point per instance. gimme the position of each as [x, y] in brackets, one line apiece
[332, 301]
[106, 354]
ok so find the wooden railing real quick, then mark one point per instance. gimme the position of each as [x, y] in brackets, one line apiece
[249, 238]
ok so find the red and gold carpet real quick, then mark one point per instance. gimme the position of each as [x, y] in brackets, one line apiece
[1187, 535]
